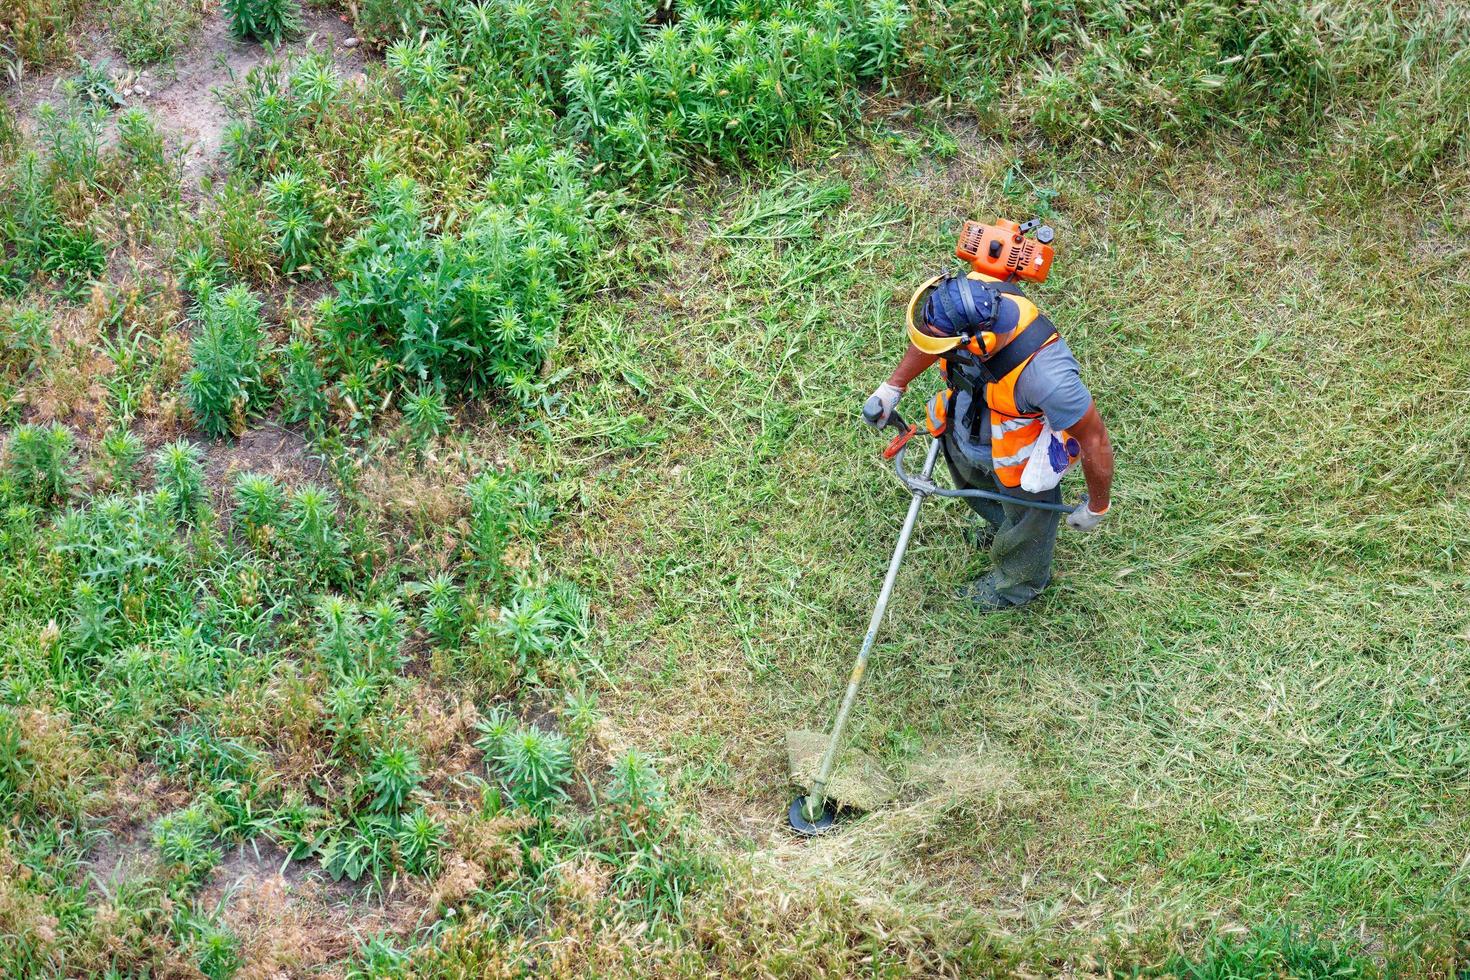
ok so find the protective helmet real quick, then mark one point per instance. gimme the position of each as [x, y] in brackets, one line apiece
[948, 310]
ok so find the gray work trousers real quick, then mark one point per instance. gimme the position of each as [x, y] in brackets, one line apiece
[1025, 537]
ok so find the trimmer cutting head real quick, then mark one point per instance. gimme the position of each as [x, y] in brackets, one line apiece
[857, 784]
[796, 817]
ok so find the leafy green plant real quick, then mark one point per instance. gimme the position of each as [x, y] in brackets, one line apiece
[311, 520]
[362, 847]
[226, 384]
[477, 308]
[178, 470]
[39, 240]
[242, 235]
[185, 842]
[292, 221]
[535, 767]
[40, 461]
[264, 20]
[421, 841]
[93, 84]
[259, 506]
[150, 31]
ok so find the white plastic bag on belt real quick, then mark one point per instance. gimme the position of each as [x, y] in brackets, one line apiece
[1052, 454]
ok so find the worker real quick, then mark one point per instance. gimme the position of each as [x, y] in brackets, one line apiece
[1006, 370]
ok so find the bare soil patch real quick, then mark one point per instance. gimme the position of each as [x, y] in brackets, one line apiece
[290, 918]
[270, 450]
[183, 98]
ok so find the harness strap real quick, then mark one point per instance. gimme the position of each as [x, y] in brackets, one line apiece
[972, 315]
[1032, 339]
[944, 301]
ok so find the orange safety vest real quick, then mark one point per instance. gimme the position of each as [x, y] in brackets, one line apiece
[1012, 432]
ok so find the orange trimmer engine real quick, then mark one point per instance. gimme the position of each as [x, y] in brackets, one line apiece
[1002, 250]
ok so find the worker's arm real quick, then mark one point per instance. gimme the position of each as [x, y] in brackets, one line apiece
[915, 362]
[1097, 468]
[885, 399]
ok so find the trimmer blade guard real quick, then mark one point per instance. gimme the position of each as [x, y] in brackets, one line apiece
[796, 817]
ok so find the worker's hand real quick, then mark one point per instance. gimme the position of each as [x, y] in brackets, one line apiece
[880, 405]
[1084, 518]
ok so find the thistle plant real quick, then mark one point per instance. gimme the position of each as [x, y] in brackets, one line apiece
[185, 842]
[339, 634]
[495, 729]
[882, 45]
[303, 386]
[382, 634]
[421, 839]
[315, 80]
[217, 952]
[634, 783]
[579, 708]
[535, 767]
[94, 626]
[119, 454]
[528, 628]
[199, 272]
[311, 521]
[347, 705]
[40, 461]
[259, 506]
[292, 221]
[490, 522]
[264, 20]
[226, 383]
[25, 338]
[426, 415]
[443, 615]
[178, 471]
[392, 778]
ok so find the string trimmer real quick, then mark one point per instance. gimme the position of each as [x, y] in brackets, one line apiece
[812, 813]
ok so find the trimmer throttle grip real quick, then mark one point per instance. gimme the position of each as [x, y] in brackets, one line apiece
[873, 411]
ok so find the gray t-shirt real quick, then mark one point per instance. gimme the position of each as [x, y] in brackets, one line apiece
[1051, 384]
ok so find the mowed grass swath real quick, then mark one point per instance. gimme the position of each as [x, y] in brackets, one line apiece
[445, 494]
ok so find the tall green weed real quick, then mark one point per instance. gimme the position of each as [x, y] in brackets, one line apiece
[227, 382]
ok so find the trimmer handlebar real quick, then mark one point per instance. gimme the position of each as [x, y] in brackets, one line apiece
[873, 410]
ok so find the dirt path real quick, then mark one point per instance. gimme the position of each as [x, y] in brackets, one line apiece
[183, 99]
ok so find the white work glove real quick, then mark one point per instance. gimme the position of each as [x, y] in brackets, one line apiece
[880, 404]
[1084, 518]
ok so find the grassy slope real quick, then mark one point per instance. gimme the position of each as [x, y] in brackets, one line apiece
[1242, 702]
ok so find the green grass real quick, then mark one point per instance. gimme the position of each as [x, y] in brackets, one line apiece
[457, 499]
[1243, 700]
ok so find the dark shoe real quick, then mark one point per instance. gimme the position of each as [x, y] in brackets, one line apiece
[984, 596]
[987, 598]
